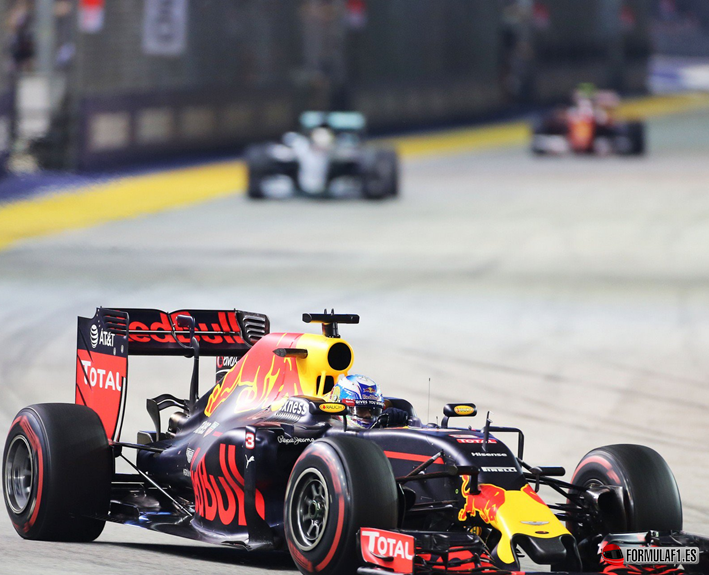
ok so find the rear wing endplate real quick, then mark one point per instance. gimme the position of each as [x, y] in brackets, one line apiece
[105, 341]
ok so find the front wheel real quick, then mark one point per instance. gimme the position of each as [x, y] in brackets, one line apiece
[650, 497]
[259, 166]
[338, 485]
[57, 470]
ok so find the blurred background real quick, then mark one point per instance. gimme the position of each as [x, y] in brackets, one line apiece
[90, 84]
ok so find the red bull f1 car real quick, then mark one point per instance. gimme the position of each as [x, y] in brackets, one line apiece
[588, 127]
[264, 461]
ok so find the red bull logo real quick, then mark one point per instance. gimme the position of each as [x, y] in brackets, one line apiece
[221, 496]
[486, 503]
[226, 323]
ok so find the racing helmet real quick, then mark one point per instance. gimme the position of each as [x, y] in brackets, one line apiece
[362, 396]
[322, 137]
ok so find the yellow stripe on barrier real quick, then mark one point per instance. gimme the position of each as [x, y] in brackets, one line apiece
[488, 137]
[119, 199]
[134, 196]
[662, 105]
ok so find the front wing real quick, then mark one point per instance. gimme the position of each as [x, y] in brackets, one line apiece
[403, 552]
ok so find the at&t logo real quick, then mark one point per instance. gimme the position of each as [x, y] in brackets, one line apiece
[102, 337]
[94, 336]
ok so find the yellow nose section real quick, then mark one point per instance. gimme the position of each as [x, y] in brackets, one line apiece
[527, 514]
[511, 513]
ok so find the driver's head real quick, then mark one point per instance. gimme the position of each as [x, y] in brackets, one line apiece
[322, 137]
[586, 90]
[363, 397]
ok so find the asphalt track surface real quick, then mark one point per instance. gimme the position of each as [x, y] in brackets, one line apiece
[567, 296]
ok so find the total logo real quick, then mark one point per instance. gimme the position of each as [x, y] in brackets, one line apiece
[472, 440]
[102, 337]
[103, 378]
[388, 549]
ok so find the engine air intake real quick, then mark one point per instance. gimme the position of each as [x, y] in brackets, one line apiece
[340, 356]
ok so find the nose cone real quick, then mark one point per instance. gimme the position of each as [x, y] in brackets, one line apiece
[523, 519]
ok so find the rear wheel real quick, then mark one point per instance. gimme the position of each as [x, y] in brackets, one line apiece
[259, 165]
[650, 497]
[57, 470]
[338, 485]
[636, 136]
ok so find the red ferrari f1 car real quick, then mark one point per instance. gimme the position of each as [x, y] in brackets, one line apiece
[589, 126]
[263, 460]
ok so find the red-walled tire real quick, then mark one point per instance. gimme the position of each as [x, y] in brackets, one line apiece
[651, 498]
[57, 470]
[338, 485]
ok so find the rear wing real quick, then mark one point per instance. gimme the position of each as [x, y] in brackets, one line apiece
[105, 341]
[219, 332]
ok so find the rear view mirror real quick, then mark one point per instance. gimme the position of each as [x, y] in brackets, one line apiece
[458, 410]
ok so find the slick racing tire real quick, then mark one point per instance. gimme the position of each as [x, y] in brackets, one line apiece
[636, 137]
[57, 471]
[258, 164]
[651, 498]
[544, 128]
[380, 178]
[338, 485]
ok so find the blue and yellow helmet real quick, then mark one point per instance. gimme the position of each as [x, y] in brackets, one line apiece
[363, 397]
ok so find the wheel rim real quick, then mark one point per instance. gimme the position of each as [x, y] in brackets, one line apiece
[310, 509]
[19, 474]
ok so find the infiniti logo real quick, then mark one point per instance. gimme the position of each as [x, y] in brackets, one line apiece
[94, 336]
[535, 522]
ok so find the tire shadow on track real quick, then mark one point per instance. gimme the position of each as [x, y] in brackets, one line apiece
[270, 561]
